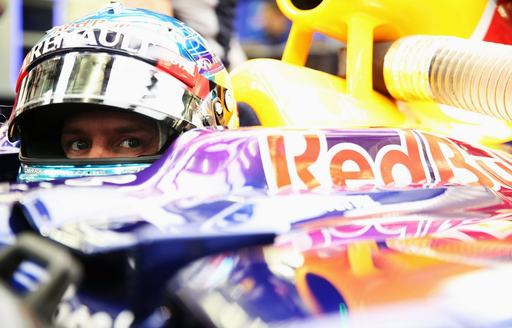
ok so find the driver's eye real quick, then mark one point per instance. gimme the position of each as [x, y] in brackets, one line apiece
[79, 145]
[130, 143]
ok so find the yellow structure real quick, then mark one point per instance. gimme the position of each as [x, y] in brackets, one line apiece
[286, 93]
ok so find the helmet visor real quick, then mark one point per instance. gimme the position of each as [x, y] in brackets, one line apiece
[116, 81]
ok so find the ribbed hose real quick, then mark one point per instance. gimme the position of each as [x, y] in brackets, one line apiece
[473, 75]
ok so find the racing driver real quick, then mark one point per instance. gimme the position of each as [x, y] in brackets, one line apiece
[107, 93]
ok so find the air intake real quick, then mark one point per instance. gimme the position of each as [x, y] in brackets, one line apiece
[306, 4]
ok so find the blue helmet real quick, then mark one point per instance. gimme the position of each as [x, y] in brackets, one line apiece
[118, 59]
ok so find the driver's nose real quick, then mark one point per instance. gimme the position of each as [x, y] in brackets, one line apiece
[98, 152]
[100, 149]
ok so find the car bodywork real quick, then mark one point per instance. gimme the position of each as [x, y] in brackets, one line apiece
[386, 211]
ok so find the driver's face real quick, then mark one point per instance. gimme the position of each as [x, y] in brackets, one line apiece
[109, 134]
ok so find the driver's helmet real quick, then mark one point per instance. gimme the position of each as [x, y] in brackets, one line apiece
[118, 59]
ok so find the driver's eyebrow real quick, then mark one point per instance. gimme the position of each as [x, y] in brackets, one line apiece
[135, 128]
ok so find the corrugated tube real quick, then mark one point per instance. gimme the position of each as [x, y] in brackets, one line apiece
[468, 74]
